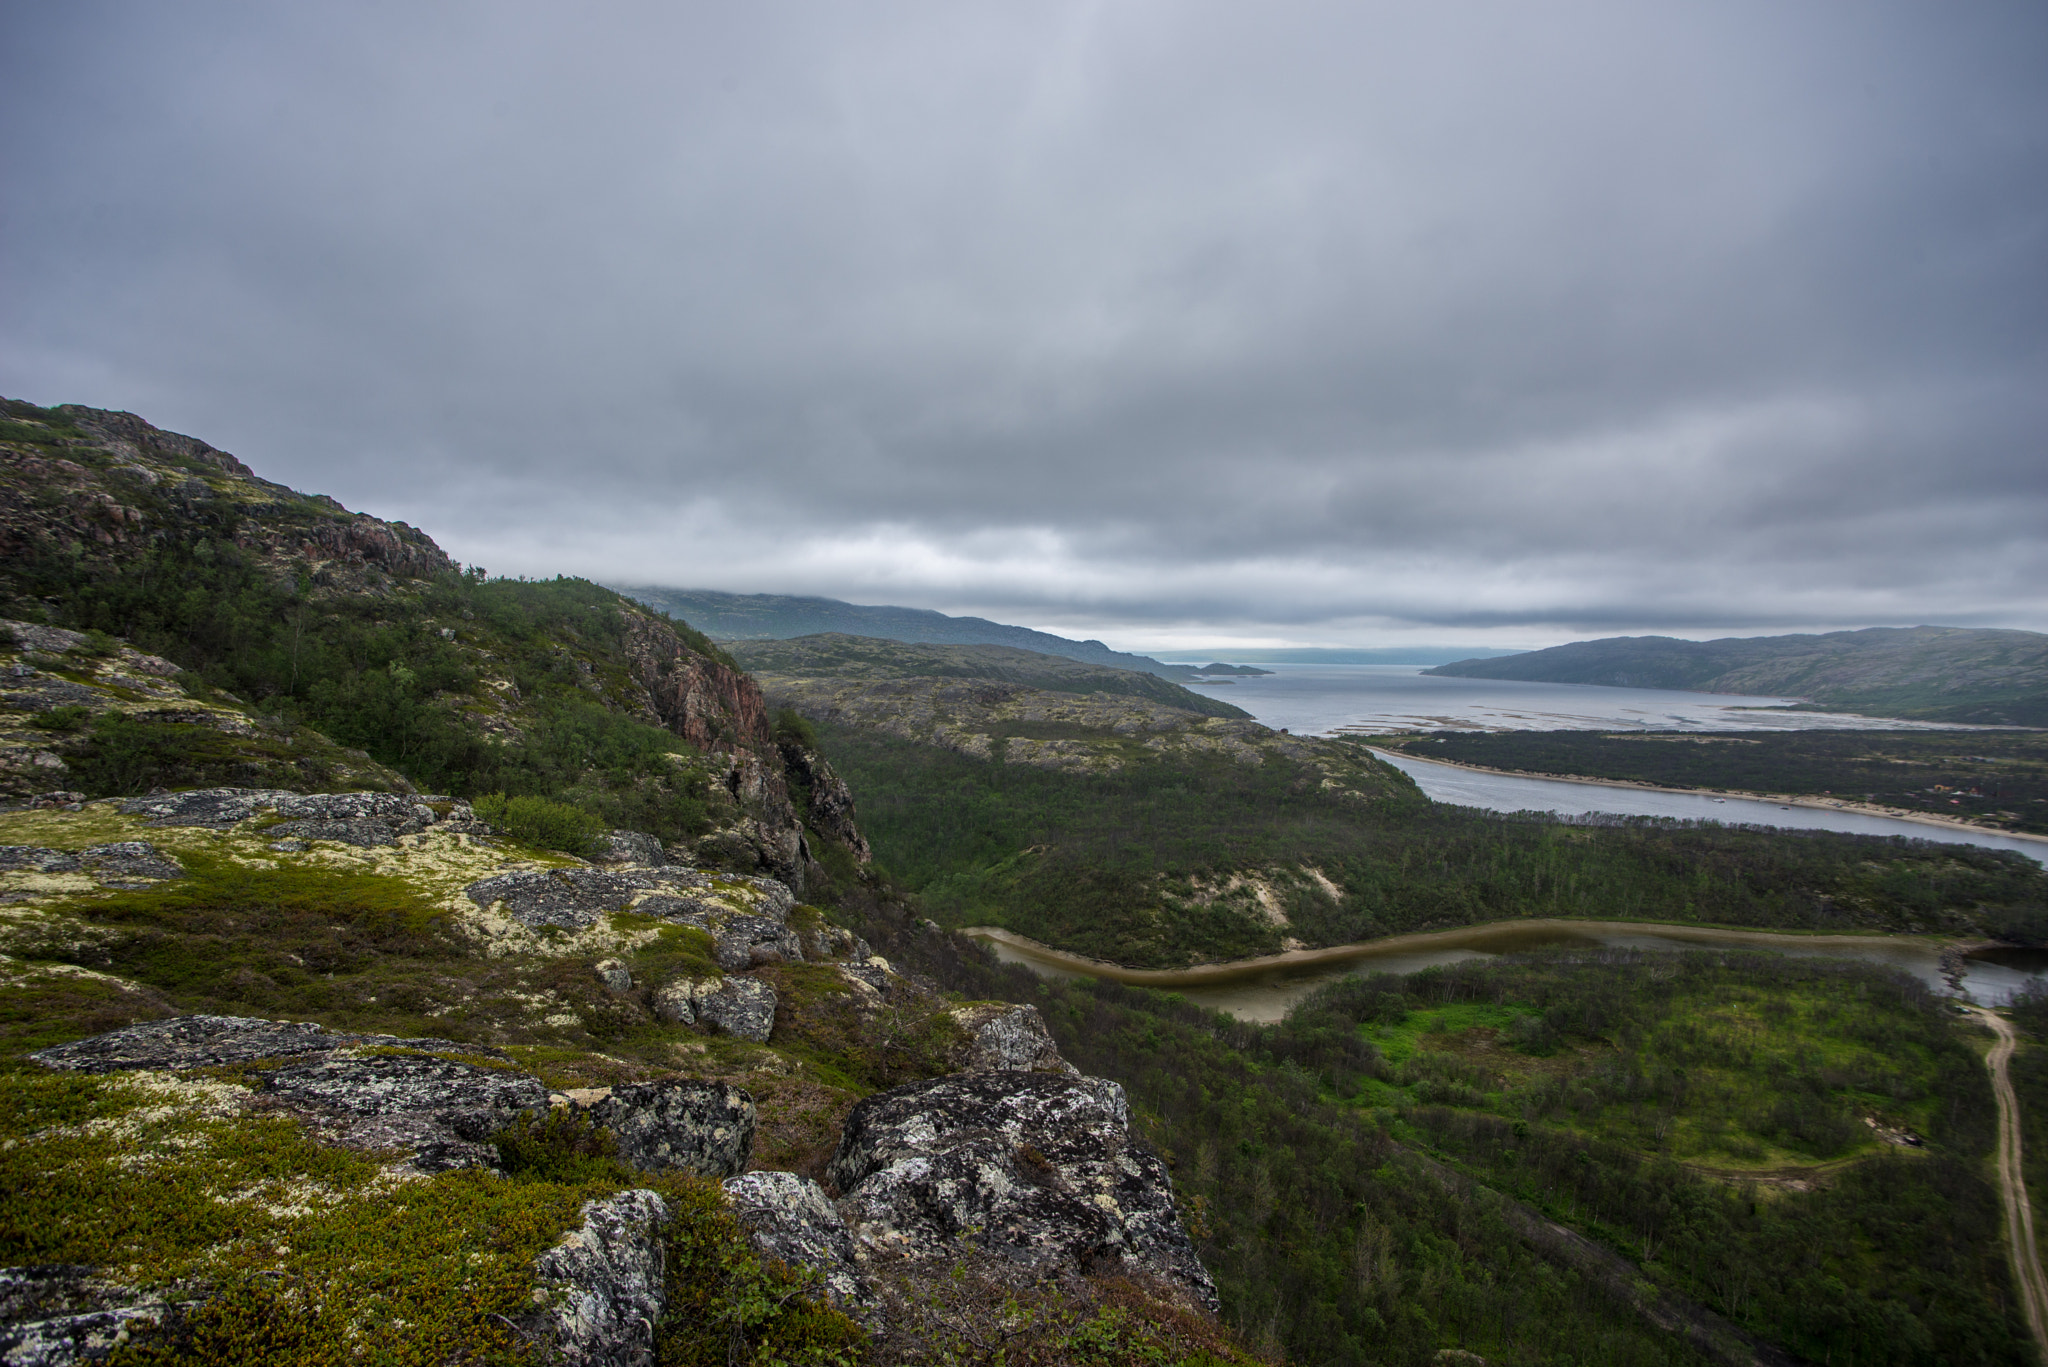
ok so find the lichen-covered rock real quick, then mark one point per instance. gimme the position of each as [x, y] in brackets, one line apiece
[741, 1007]
[788, 1218]
[569, 899]
[745, 942]
[614, 974]
[1035, 1169]
[182, 1042]
[214, 808]
[675, 1001]
[1003, 1037]
[630, 847]
[122, 864]
[191, 1042]
[607, 1283]
[439, 1113]
[682, 1125]
[58, 1314]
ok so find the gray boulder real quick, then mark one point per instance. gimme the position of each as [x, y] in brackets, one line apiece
[183, 1042]
[681, 1125]
[614, 974]
[58, 1314]
[123, 864]
[788, 1218]
[745, 942]
[630, 847]
[570, 899]
[741, 1007]
[215, 808]
[1032, 1169]
[606, 1283]
[439, 1112]
[1004, 1037]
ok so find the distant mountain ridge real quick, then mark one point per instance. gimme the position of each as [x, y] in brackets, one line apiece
[1971, 675]
[781, 617]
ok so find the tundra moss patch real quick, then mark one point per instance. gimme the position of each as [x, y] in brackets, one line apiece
[303, 1253]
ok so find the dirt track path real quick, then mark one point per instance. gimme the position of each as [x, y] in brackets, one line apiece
[2012, 1185]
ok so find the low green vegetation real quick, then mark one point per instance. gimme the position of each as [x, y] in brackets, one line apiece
[1357, 1171]
[1997, 778]
[539, 821]
[1122, 865]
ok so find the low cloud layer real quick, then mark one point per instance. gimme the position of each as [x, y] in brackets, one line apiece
[1303, 323]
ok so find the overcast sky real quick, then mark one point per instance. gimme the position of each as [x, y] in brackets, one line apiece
[1170, 323]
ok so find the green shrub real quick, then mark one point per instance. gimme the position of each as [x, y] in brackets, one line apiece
[793, 728]
[69, 718]
[562, 1146]
[540, 821]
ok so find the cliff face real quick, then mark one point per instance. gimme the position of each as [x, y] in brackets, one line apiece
[302, 618]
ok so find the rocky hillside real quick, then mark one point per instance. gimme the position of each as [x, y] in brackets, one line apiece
[295, 1070]
[181, 621]
[1975, 676]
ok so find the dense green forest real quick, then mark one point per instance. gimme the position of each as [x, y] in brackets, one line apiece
[1374, 1176]
[1089, 863]
[1999, 778]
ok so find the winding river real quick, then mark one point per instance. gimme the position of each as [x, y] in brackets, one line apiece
[1460, 786]
[1264, 989]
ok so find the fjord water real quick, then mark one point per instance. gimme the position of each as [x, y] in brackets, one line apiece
[1380, 699]
[1367, 700]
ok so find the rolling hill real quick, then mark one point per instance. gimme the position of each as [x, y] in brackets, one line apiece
[1976, 676]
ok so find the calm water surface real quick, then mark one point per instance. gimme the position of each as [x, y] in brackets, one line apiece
[1379, 699]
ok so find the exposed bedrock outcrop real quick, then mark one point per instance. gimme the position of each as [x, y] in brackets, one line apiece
[1004, 1037]
[1033, 1169]
[575, 899]
[828, 800]
[789, 1218]
[351, 818]
[58, 1314]
[122, 864]
[681, 1125]
[606, 1283]
[741, 1007]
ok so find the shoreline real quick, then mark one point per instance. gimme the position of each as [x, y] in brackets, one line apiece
[1779, 799]
[1224, 971]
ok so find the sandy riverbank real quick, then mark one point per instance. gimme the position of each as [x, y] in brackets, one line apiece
[1491, 935]
[1825, 804]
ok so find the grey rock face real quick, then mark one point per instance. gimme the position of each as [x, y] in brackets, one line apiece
[631, 847]
[682, 1125]
[571, 899]
[614, 974]
[676, 1001]
[191, 1042]
[439, 1112]
[215, 808]
[1002, 1037]
[59, 1314]
[742, 1007]
[393, 1083]
[788, 1217]
[123, 864]
[745, 942]
[608, 1280]
[1035, 1169]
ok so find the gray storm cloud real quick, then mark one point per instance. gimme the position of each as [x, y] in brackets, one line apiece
[1316, 323]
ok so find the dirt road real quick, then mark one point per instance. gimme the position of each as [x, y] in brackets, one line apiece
[2012, 1185]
